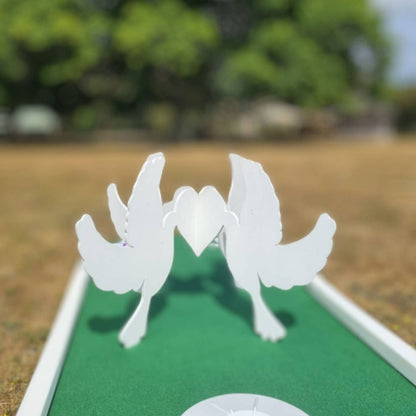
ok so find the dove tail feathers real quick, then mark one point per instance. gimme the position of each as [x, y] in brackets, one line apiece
[326, 224]
[297, 263]
[111, 266]
[88, 236]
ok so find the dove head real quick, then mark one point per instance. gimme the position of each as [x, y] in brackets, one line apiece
[150, 173]
[157, 163]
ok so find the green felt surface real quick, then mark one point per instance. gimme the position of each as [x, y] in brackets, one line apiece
[200, 344]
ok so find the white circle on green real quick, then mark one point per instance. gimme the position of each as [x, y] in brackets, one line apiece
[241, 404]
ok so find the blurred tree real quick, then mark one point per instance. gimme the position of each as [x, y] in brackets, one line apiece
[304, 51]
[405, 102]
[94, 58]
[173, 45]
[47, 45]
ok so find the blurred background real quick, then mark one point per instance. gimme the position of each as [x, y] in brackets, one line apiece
[321, 92]
[213, 70]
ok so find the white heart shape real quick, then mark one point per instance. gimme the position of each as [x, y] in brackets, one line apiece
[199, 217]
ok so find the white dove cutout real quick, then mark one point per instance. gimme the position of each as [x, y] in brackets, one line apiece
[248, 231]
[143, 259]
[250, 242]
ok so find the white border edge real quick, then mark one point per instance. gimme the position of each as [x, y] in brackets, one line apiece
[388, 345]
[41, 388]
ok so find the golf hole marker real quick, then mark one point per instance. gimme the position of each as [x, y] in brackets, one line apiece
[248, 230]
[240, 404]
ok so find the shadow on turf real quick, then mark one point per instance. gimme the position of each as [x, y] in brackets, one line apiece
[219, 285]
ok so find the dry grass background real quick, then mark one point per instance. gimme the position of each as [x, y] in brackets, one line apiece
[369, 189]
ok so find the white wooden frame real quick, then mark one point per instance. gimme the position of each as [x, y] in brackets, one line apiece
[39, 393]
[41, 389]
[388, 345]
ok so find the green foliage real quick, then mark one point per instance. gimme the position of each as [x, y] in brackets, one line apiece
[302, 52]
[281, 61]
[405, 102]
[160, 118]
[274, 5]
[165, 35]
[54, 38]
[71, 53]
[84, 118]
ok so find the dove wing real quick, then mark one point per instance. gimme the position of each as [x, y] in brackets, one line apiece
[285, 266]
[112, 266]
[253, 199]
[118, 210]
[144, 209]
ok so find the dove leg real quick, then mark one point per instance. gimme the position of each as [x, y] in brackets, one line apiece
[135, 328]
[266, 325]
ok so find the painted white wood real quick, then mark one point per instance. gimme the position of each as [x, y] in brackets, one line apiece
[387, 344]
[199, 216]
[118, 211]
[252, 244]
[249, 232]
[42, 386]
[243, 404]
[142, 260]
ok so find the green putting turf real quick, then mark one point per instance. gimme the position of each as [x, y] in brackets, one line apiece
[200, 344]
